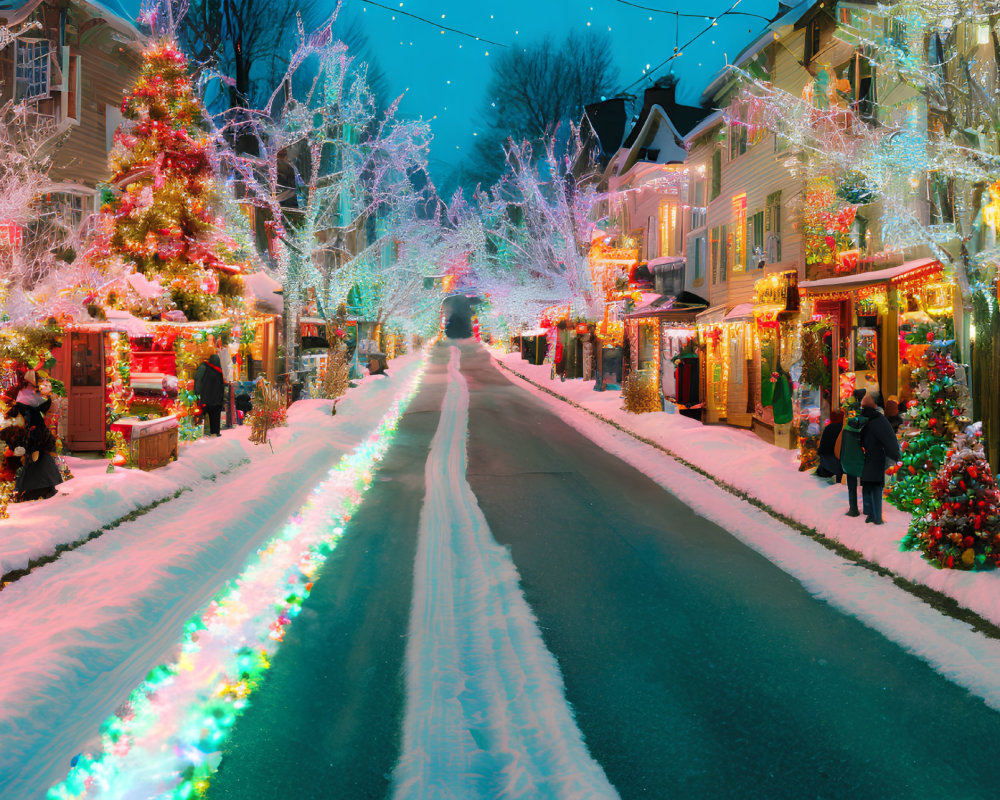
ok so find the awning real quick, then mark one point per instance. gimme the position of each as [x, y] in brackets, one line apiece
[845, 283]
[669, 307]
[740, 313]
[711, 316]
[535, 332]
[665, 264]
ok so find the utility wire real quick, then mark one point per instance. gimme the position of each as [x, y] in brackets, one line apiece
[433, 23]
[678, 51]
[689, 16]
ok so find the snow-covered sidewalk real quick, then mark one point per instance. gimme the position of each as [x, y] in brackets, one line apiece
[94, 499]
[744, 463]
[79, 634]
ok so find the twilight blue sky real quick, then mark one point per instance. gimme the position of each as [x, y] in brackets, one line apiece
[443, 75]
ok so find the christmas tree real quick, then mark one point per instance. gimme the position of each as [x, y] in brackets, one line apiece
[163, 219]
[930, 426]
[963, 529]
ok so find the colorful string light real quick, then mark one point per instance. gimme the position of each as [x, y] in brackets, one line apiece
[166, 741]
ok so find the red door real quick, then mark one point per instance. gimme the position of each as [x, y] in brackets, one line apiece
[86, 391]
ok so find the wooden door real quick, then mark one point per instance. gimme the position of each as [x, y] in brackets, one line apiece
[86, 391]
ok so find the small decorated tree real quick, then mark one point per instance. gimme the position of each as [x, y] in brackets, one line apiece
[931, 425]
[962, 531]
[163, 206]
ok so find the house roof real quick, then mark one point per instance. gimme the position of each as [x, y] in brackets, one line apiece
[785, 17]
[684, 306]
[659, 137]
[683, 118]
[604, 124]
[13, 12]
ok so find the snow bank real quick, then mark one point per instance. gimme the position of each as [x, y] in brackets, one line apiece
[486, 714]
[79, 634]
[950, 646]
[770, 474]
[94, 498]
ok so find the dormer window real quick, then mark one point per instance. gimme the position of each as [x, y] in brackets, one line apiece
[33, 69]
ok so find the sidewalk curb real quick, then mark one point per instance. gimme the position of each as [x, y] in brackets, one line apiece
[938, 600]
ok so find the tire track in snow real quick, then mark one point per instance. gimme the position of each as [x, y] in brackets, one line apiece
[486, 714]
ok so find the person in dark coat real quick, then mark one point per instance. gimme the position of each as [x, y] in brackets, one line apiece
[880, 445]
[39, 473]
[211, 388]
[829, 461]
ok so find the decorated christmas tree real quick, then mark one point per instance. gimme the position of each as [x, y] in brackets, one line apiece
[931, 424]
[163, 220]
[963, 529]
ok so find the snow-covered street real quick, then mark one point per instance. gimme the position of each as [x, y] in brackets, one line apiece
[499, 401]
[567, 615]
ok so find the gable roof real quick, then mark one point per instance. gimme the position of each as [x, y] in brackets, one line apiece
[786, 16]
[682, 117]
[13, 12]
[603, 126]
[658, 137]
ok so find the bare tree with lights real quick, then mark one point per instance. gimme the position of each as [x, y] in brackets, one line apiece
[324, 165]
[537, 226]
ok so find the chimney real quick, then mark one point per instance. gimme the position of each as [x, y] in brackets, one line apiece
[663, 93]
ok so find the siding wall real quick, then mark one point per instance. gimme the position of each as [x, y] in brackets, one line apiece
[757, 173]
[107, 68]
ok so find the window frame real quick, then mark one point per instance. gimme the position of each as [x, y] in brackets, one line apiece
[739, 233]
[738, 140]
[25, 67]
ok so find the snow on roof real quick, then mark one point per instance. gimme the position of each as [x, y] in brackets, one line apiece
[741, 311]
[790, 17]
[13, 12]
[666, 140]
[889, 275]
[712, 119]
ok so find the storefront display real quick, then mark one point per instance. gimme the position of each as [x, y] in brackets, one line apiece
[875, 319]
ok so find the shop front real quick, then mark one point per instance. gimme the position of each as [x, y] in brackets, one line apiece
[864, 330]
[663, 348]
[777, 351]
[749, 353]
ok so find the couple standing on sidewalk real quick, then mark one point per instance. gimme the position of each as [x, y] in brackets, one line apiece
[863, 448]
